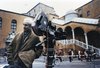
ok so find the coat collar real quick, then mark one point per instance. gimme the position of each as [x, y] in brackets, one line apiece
[28, 39]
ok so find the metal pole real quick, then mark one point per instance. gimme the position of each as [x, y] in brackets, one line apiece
[50, 50]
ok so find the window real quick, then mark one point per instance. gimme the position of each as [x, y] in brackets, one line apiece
[13, 25]
[80, 15]
[53, 17]
[88, 13]
[0, 22]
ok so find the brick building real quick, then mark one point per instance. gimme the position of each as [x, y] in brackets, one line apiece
[9, 21]
[90, 10]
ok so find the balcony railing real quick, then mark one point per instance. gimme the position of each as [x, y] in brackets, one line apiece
[80, 44]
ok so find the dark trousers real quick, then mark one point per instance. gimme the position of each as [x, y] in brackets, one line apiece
[70, 59]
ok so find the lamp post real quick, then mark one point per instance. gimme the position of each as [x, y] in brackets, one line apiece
[50, 47]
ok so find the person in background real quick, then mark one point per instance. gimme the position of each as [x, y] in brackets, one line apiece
[71, 54]
[86, 55]
[94, 54]
[89, 52]
[79, 55]
[59, 54]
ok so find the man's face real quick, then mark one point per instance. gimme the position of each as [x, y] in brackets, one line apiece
[27, 27]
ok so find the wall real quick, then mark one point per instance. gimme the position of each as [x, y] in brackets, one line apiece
[92, 7]
[7, 17]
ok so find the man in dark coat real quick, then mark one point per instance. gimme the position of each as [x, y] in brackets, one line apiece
[22, 50]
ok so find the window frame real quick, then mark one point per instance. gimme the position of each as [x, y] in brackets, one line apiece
[0, 22]
[14, 25]
[88, 13]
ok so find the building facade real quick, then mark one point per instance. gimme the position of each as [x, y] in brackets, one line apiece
[40, 7]
[9, 22]
[78, 33]
[90, 10]
[81, 28]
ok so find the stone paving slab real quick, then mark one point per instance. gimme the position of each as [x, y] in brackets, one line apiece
[40, 63]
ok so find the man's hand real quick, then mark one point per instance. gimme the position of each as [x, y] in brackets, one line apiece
[38, 51]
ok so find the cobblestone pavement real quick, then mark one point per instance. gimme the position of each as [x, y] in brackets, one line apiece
[74, 64]
[40, 63]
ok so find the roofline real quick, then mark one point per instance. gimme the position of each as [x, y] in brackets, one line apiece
[79, 23]
[38, 4]
[84, 5]
[14, 13]
[54, 14]
[68, 14]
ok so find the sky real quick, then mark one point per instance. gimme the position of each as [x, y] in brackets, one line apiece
[22, 6]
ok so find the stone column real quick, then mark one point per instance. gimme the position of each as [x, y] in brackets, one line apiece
[73, 35]
[86, 40]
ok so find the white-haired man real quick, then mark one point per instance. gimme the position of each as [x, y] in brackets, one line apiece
[22, 51]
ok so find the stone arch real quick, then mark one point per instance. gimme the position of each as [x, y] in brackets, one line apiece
[59, 30]
[59, 33]
[79, 34]
[94, 38]
[68, 32]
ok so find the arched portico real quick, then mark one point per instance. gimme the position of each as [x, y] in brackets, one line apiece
[59, 33]
[94, 38]
[68, 32]
[79, 34]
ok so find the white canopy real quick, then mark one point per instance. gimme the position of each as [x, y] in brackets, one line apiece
[78, 20]
[58, 21]
[86, 20]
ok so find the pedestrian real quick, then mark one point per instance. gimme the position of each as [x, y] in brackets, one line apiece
[22, 50]
[89, 52]
[79, 55]
[86, 55]
[71, 54]
[59, 54]
[94, 54]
